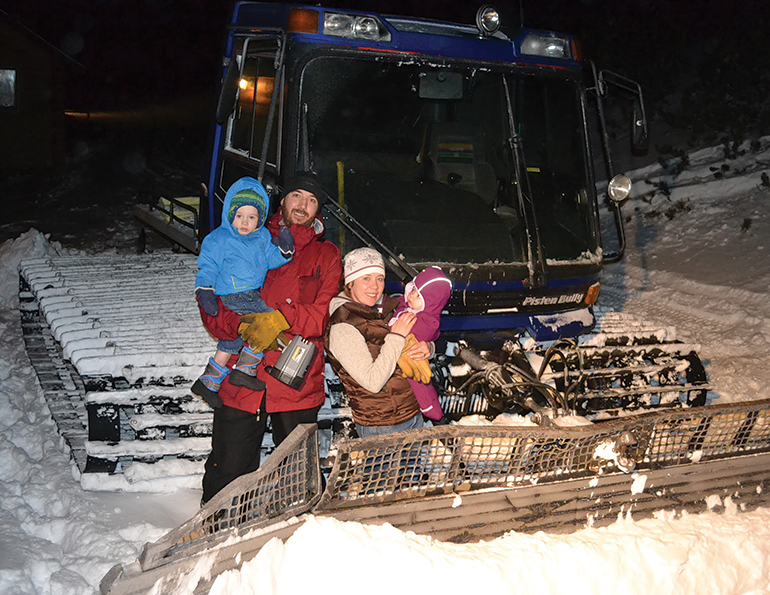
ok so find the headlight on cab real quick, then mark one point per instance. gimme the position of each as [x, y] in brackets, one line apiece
[355, 26]
[546, 45]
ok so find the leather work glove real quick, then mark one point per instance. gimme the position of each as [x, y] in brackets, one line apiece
[417, 369]
[261, 330]
[281, 341]
[207, 300]
[285, 242]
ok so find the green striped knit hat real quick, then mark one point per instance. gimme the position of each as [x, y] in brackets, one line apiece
[252, 198]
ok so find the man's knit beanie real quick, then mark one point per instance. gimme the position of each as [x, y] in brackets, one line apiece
[306, 181]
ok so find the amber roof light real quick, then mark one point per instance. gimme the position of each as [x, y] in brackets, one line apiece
[303, 20]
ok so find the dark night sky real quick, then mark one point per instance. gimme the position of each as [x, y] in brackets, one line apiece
[146, 51]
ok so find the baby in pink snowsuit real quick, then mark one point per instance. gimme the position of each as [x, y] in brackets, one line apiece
[426, 295]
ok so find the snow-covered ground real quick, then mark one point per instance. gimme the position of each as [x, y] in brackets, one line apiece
[697, 259]
[55, 537]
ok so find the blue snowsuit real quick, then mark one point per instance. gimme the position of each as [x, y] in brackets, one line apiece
[236, 265]
[232, 263]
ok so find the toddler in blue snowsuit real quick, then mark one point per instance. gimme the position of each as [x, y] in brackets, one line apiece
[232, 264]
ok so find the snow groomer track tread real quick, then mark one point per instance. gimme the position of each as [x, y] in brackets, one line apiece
[116, 343]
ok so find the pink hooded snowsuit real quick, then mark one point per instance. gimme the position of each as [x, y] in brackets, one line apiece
[435, 288]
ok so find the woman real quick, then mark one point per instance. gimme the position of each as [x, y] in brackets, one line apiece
[364, 351]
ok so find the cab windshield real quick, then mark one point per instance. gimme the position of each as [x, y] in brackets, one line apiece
[426, 158]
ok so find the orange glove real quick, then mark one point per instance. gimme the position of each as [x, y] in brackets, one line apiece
[417, 369]
[261, 330]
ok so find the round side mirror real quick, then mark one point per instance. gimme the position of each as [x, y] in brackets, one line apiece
[619, 187]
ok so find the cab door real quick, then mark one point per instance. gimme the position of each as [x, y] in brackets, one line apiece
[250, 115]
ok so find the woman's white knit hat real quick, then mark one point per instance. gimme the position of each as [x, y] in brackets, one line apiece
[363, 261]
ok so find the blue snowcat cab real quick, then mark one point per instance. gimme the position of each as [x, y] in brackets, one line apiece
[468, 147]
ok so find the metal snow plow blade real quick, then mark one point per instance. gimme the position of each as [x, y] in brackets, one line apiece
[469, 483]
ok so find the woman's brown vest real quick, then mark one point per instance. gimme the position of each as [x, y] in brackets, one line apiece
[395, 403]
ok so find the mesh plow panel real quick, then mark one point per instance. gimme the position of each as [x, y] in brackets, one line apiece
[449, 459]
[287, 484]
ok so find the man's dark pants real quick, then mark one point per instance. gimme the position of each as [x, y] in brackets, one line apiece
[236, 443]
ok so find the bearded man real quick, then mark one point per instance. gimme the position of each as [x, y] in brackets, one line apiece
[299, 293]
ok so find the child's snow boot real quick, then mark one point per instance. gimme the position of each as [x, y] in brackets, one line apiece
[207, 386]
[245, 370]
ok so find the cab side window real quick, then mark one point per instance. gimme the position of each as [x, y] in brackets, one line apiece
[247, 127]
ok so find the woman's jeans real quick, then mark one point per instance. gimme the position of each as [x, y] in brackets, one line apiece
[395, 470]
[244, 302]
[410, 424]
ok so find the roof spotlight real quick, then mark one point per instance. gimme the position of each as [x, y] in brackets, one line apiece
[487, 20]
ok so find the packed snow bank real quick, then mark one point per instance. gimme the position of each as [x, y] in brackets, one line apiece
[705, 554]
[28, 245]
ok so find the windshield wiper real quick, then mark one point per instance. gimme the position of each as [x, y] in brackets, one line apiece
[535, 260]
[398, 265]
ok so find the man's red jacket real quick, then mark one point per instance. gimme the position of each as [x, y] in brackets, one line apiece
[301, 290]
